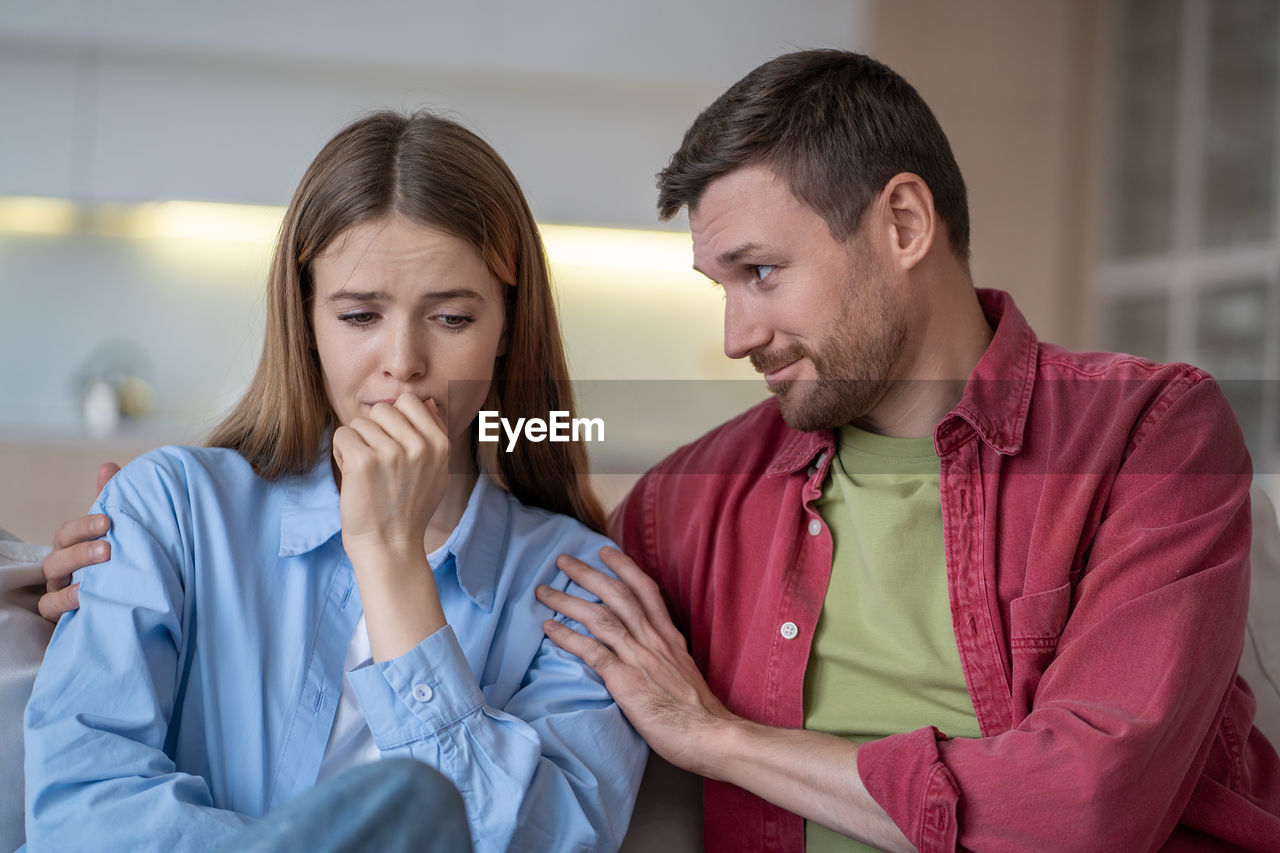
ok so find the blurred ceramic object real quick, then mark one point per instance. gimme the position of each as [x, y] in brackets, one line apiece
[100, 408]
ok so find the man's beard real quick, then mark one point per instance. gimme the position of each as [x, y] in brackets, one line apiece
[853, 373]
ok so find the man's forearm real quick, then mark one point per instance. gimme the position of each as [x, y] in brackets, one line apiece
[812, 774]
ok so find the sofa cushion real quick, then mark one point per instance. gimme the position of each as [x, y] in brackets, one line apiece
[23, 636]
[1260, 661]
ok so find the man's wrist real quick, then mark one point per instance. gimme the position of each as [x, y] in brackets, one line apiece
[721, 743]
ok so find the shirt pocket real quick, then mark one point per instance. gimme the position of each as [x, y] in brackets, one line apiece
[1035, 624]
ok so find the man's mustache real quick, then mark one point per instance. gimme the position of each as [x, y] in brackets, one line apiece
[767, 362]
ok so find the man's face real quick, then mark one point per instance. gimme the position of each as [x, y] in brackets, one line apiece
[817, 316]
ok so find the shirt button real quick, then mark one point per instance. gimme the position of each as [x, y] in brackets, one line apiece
[790, 631]
[422, 692]
[815, 527]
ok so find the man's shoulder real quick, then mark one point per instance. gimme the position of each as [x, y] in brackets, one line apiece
[1120, 410]
[1016, 355]
[1098, 378]
[1056, 362]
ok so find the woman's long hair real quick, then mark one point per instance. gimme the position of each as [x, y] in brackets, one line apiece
[434, 172]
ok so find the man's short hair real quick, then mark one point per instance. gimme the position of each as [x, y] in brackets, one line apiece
[836, 126]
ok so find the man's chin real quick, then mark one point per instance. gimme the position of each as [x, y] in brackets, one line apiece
[821, 406]
[799, 416]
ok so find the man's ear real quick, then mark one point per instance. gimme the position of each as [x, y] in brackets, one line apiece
[908, 207]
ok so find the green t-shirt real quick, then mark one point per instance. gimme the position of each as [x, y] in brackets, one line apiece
[884, 657]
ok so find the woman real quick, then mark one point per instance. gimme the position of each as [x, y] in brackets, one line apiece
[342, 519]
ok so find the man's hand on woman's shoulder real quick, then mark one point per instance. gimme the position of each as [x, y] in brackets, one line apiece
[75, 545]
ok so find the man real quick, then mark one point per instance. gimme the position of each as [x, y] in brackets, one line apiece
[951, 587]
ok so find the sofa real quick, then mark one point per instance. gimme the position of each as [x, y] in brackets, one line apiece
[668, 812]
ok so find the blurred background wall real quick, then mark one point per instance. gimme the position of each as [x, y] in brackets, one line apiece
[1120, 156]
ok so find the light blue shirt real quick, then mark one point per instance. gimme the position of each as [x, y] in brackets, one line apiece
[195, 688]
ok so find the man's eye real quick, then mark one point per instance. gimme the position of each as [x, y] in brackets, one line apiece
[762, 271]
[358, 318]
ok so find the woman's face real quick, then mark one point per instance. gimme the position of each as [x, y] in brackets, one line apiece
[400, 307]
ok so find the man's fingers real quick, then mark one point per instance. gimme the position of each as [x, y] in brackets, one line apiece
[646, 591]
[54, 604]
[633, 598]
[592, 653]
[106, 471]
[623, 566]
[597, 618]
[81, 529]
[613, 592]
[75, 546]
[619, 603]
[59, 565]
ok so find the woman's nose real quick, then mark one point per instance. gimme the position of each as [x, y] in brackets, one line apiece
[405, 353]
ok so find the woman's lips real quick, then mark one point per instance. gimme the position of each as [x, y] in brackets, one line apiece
[391, 401]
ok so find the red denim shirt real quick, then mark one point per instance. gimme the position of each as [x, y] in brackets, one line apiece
[1096, 524]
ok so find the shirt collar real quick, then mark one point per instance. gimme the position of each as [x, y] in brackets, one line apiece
[478, 542]
[799, 449]
[997, 396]
[310, 516]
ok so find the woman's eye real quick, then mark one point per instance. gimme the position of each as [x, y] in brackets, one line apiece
[762, 271]
[454, 321]
[358, 318]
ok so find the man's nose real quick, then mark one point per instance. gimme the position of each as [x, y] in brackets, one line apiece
[744, 329]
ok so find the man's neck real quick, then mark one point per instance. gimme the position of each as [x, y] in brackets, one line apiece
[953, 335]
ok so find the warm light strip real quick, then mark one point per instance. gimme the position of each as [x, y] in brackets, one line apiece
[618, 249]
[29, 215]
[198, 220]
[663, 252]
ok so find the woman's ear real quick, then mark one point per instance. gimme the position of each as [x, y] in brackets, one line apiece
[912, 219]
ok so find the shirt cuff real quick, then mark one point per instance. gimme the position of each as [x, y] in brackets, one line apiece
[905, 775]
[414, 696]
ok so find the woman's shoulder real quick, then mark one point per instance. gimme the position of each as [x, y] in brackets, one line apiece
[535, 527]
[174, 469]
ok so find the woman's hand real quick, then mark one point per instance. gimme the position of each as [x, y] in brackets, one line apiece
[395, 469]
[74, 547]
